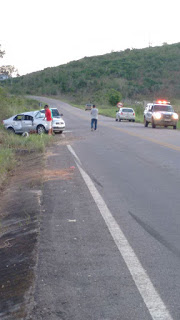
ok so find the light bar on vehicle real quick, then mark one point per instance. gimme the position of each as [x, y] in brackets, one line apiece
[163, 102]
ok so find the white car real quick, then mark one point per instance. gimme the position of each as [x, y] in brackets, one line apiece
[88, 106]
[125, 114]
[160, 113]
[26, 122]
[58, 123]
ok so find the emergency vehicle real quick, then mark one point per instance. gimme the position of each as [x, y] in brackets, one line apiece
[160, 113]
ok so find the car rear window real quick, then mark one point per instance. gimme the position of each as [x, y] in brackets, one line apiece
[127, 110]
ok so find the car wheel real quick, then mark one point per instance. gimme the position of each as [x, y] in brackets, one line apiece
[40, 129]
[153, 124]
[146, 123]
[174, 127]
[10, 130]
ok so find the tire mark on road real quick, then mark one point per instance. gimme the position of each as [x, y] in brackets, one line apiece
[153, 233]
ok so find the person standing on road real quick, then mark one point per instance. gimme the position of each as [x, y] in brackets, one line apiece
[94, 118]
[48, 119]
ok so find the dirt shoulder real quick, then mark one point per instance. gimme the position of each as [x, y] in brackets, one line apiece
[20, 209]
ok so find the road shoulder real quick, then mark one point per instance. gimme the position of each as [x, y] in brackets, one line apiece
[19, 230]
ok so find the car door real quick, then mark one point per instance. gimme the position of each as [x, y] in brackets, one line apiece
[149, 114]
[27, 123]
[17, 123]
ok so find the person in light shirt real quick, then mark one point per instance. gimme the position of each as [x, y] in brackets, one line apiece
[94, 118]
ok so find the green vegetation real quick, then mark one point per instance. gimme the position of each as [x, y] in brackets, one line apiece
[136, 74]
[10, 105]
[11, 144]
[6, 161]
[114, 97]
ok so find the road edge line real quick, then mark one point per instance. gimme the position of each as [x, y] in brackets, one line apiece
[149, 294]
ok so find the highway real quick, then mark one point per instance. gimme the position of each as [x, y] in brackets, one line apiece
[110, 230]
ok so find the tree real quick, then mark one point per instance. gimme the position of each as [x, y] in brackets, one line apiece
[114, 97]
[7, 70]
[1, 52]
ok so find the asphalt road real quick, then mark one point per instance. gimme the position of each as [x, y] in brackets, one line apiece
[110, 240]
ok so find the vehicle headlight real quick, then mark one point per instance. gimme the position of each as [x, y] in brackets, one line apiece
[157, 115]
[175, 116]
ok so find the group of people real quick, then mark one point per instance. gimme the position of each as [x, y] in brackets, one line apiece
[48, 116]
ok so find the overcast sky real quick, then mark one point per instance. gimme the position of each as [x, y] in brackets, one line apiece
[37, 34]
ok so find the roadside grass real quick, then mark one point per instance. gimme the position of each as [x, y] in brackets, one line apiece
[11, 105]
[7, 161]
[12, 144]
[32, 143]
[178, 125]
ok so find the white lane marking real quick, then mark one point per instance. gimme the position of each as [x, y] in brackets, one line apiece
[152, 299]
[74, 154]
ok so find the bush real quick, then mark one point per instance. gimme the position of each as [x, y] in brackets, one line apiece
[114, 97]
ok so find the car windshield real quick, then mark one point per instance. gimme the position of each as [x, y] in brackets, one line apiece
[161, 107]
[127, 110]
[55, 112]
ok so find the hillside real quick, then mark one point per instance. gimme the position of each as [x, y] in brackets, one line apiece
[149, 72]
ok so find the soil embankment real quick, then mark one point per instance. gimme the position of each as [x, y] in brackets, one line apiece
[20, 209]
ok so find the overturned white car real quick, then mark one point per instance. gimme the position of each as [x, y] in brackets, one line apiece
[30, 122]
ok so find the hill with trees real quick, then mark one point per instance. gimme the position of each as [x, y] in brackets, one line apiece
[133, 73]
